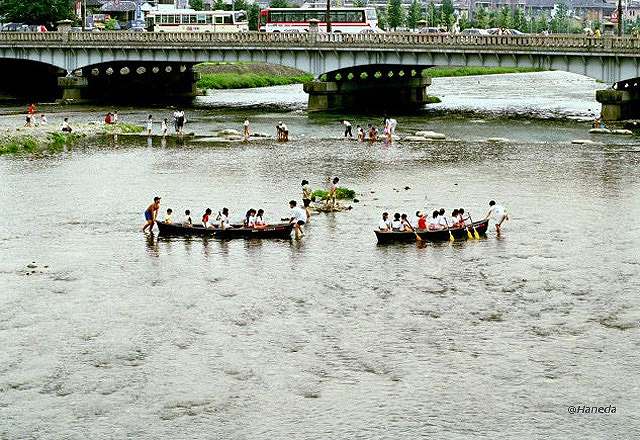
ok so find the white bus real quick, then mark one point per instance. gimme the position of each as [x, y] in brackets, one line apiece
[343, 20]
[188, 20]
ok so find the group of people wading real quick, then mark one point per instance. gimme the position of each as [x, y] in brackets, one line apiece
[370, 133]
[255, 219]
[438, 220]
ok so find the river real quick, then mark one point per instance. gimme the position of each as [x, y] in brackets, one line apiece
[115, 334]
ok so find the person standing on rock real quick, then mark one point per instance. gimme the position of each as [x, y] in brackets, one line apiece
[176, 115]
[246, 129]
[149, 125]
[164, 127]
[150, 214]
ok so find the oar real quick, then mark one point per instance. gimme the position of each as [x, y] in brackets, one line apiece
[418, 238]
[449, 229]
[469, 236]
[475, 233]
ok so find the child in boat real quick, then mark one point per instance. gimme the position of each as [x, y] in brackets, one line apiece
[250, 218]
[224, 219]
[396, 224]
[205, 219]
[187, 220]
[454, 221]
[434, 222]
[422, 221]
[260, 223]
[167, 218]
[406, 226]
[385, 223]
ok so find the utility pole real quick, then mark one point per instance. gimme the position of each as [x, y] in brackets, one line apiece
[328, 16]
[619, 18]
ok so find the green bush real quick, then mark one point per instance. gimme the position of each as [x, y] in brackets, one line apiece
[441, 72]
[341, 193]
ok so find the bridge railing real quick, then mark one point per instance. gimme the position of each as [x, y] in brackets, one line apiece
[569, 43]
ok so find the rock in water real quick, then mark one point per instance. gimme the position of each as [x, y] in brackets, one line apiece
[228, 132]
[415, 138]
[497, 140]
[430, 135]
[583, 142]
[622, 131]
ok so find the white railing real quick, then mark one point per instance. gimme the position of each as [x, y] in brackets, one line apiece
[407, 41]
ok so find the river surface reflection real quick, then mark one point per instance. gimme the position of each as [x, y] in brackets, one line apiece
[124, 334]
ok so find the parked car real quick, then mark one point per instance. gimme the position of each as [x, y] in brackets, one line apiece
[15, 27]
[498, 31]
[474, 31]
[432, 30]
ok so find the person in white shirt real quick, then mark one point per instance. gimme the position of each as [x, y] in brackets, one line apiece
[260, 221]
[385, 223]
[43, 119]
[246, 129]
[298, 218]
[149, 125]
[347, 129]
[396, 224]
[250, 219]
[434, 222]
[442, 219]
[498, 213]
[114, 117]
[224, 219]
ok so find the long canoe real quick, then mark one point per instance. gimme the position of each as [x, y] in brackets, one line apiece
[280, 230]
[440, 235]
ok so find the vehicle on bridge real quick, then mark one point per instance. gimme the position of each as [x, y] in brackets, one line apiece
[343, 20]
[189, 20]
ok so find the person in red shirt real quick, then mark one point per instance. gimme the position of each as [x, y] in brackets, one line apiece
[31, 109]
[422, 221]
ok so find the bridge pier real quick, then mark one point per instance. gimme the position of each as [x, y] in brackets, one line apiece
[619, 105]
[368, 95]
[72, 88]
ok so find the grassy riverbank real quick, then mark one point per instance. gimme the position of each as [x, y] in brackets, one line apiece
[247, 75]
[442, 72]
[38, 141]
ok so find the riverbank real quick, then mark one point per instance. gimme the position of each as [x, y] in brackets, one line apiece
[446, 72]
[247, 75]
[42, 140]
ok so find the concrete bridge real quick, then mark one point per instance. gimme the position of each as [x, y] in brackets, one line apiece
[333, 56]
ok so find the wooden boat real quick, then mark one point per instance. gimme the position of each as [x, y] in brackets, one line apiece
[440, 235]
[280, 230]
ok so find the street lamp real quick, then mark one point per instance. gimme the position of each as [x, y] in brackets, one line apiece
[328, 16]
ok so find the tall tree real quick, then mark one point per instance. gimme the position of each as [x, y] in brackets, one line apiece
[446, 13]
[36, 11]
[196, 5]
[519, 20]
[220, 5]
[481, 18]
[414, 15]
[560, 21]
[279, 4]
[433, 17]
[504, 17]
[254, 16]
[395, 14]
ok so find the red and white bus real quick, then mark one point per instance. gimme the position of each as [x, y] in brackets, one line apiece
[343, 20]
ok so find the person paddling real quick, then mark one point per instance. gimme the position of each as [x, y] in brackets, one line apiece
[150, 214]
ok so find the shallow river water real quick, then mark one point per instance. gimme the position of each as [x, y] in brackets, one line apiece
[117, 334]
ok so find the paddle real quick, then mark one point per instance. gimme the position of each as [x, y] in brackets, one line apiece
[449, 229]
[418, 238]
[475, 233]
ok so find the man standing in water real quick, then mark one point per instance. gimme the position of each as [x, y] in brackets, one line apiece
[499, 214]
[246, 129]
[298, 218]
[150, 214]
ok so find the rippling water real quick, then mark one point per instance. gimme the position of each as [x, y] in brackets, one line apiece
[126, 335]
